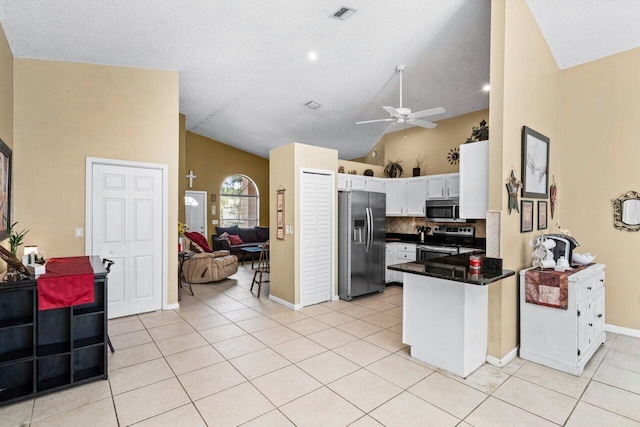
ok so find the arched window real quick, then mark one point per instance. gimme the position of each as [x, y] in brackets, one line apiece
[239, 202]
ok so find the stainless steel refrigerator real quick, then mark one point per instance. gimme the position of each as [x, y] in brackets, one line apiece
[361, 243]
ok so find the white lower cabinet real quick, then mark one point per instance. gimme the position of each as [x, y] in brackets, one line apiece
[389, 258]
[565, 339]
[402, 252]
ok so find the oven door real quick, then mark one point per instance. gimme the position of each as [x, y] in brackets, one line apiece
[427, 252]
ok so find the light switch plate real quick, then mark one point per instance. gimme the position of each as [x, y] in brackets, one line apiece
[79, 232]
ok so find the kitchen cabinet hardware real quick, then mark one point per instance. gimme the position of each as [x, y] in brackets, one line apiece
[588, 288]
[591, 324]
[599, 316]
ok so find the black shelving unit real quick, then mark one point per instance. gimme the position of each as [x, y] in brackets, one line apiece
[44, 351]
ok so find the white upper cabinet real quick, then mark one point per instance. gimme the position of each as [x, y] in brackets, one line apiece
[375, 184]
[474, 180]
[358, 182]
[394, 188]
[443, 186]
[453, 185]
[436, 186]
[416, 194]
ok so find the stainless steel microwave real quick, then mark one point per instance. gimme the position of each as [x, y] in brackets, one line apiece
[443, 210]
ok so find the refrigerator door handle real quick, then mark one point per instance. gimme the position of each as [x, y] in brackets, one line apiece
[368, 231]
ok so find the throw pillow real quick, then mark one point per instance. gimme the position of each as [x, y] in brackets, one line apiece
[235, 240]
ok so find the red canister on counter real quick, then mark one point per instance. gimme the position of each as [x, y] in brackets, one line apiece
[475, 262]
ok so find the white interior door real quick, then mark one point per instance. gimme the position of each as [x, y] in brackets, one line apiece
[127, 218]
[195, 211]
[316, 228]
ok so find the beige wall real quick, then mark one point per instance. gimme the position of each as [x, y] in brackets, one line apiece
[65, 112]
[213, 161]
[434, 144]
[530, 95]
[600, 153]
[286, 163]
[6, 91]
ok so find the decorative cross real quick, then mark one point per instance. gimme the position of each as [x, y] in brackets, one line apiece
[190, 177]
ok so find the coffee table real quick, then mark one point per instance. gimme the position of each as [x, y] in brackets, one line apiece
[253, 251]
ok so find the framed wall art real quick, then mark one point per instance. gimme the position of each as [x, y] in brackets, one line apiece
[5, 189]
[526, 216]
[535, 164]
[542, 214]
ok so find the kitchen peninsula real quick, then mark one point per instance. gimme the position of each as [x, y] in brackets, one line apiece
[445, 307]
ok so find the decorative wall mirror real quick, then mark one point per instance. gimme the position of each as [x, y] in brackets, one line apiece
[626, 211]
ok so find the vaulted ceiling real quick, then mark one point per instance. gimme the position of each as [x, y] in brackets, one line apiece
[245, 73]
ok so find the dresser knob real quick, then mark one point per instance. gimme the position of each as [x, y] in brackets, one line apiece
[588, 288]
[602, 280]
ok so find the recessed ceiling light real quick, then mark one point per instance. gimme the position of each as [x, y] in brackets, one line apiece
[486, 87]
[313, 105]
[313, 56]
[343, 13]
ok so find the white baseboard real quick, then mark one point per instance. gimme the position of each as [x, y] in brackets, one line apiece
[335, 298]
[285, 303]
[622, 331]
[172, 306]
[504, 361]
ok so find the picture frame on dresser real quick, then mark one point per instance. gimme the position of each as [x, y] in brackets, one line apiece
[5, 189]
[535, 164]
[526, 216]
[542, 215]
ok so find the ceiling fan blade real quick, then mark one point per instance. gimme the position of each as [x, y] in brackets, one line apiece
[429, 112]
[374, 121]
[422, 123]
[392, 111]
[394, 127]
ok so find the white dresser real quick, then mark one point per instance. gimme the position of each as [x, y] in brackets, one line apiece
[565, 339]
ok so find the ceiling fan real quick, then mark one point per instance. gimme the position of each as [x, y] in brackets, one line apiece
[403, 117]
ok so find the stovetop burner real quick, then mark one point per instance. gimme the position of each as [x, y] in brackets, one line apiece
[452, 235]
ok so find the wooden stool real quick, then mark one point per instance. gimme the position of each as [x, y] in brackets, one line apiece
[263, 267]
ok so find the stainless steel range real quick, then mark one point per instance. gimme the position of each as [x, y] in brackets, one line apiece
[445, 241]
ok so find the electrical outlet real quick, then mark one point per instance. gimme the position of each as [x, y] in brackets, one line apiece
[214, 221]
[79, 232]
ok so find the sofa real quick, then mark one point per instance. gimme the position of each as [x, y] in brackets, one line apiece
[206, 265]
[244, 237]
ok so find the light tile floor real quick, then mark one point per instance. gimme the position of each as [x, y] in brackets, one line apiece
[227, 358]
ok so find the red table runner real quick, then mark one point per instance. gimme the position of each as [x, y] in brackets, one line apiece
[67, 282]
[548, 287]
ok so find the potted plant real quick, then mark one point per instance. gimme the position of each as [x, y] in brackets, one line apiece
[393, 169]
[419, 161]
[15, 238]
[479, 133]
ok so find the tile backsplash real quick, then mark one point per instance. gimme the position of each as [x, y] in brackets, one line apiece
[407, 225]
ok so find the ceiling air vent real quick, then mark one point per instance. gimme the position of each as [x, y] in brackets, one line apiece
[343, 13]
[313, 105]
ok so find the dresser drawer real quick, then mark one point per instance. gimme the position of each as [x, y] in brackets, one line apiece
[589, 285]
[406, 247]
[406, 256]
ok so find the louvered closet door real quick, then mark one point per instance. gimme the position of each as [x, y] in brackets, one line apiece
[316, 243]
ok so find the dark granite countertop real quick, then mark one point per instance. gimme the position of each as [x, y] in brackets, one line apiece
[479, 242]
[456, 268]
